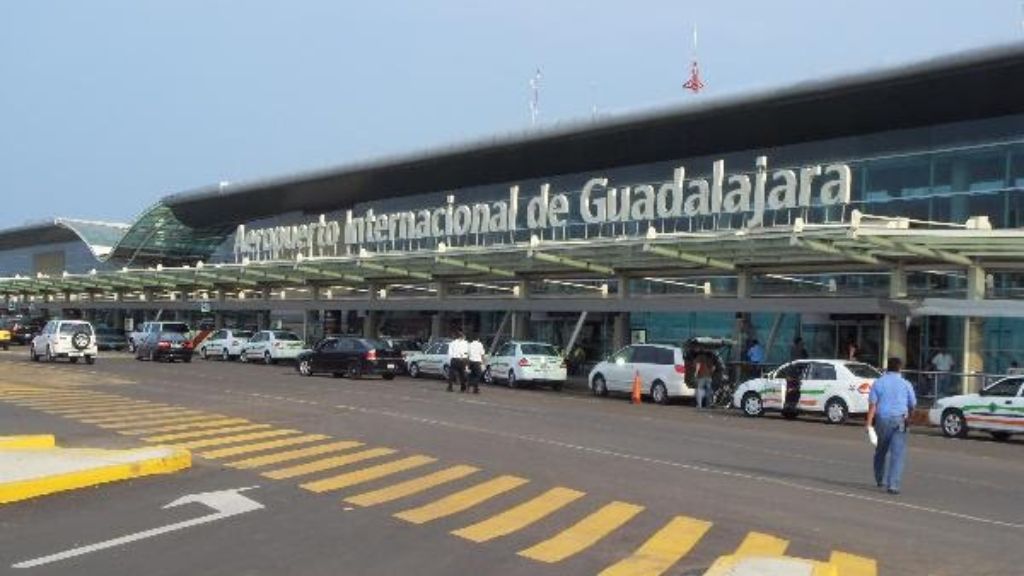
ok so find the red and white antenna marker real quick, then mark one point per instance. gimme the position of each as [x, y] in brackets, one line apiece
[694, 83]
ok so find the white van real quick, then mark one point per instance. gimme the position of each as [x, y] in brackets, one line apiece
[660, 366]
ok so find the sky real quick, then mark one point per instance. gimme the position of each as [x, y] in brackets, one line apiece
[106, 106]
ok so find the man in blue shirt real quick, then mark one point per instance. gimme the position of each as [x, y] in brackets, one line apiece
[890, 403]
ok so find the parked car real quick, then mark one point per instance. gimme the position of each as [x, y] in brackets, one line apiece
[517, 363]
[226, 344]
[350, 356]
[110, 339]
[836, 388]
[5, 336]
[146, 329]
[433, 360]
[661, 368]
[23, 330]
[407, 346]
[272, 346]
[165, 346]
[998, 409]
[71, 339]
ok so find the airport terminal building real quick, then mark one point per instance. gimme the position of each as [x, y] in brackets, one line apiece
[884, 208]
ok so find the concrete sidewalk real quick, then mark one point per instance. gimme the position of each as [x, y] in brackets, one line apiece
[32, 466]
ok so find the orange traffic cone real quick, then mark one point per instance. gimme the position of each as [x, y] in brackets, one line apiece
[637, 386]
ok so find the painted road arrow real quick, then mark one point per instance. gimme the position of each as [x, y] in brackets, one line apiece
[227, 503]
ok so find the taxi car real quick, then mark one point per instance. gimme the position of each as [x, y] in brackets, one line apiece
[835, 388]
[434, 360]
[516, 363]
[997, 409]
[272, 346]
[5, 337]
[226, 344]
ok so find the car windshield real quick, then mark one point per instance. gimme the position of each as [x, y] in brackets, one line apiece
[539, 349]
[286, 336]
[109, 331]
[178, 327]
[405, 345]
[172, 336]
[71, 328]
[863, 370]
[377, 344]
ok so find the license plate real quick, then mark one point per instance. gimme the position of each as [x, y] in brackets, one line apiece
[391, 366]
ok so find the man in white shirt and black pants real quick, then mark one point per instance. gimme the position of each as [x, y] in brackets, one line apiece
[458, 351]
[476, 363]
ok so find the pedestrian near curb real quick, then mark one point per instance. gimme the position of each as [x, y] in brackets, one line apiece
[476, 363]
[702, 373]
[890, 404]
[458, 353]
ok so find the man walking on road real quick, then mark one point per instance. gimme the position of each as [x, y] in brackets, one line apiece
[458, 352]
[890, 404]
[476, 363]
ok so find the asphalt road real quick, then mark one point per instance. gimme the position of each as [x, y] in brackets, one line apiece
[507, 482]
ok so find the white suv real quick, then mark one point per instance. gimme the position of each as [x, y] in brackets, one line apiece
[661, 369]
[71, 339]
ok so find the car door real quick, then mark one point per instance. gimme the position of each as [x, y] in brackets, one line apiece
[254, 347]
[215, 345]
[325, 356]
[773, 386]
[644, 363]
[503, 360]
[1001, 408]
[620, 369]
[819, 384]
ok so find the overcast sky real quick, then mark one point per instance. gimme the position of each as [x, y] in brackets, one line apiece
[106, 106]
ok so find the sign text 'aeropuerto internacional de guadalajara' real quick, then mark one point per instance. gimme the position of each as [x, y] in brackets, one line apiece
[598, 203]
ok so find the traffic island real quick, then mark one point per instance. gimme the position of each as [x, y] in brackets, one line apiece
[32, 466]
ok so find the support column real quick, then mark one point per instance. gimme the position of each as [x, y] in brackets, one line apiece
[895, 327]
[520, 329]
[370, 320]
[437, 321]
[621, 322]
[741, 324]
[312, 322]
[974, 333]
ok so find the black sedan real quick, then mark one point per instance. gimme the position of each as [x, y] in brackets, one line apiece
[168, 346]
[350, 356]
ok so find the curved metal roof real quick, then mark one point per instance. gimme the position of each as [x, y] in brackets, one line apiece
[99, 237]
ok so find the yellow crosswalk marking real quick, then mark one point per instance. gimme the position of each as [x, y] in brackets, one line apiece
[327, 463]
[367, 474]
[64, 404]
[196, 444]
[520, 516]
[853, 565]
[462, 500]
[186, 426]
[758, 544]
[140, 415]
[207, 432]
[584, 533]
[279, 457]
[161, 421]
[108, 409]
[262, 446]
[410, 487]
[662, 550]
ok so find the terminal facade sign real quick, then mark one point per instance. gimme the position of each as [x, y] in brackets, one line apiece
[598, 202]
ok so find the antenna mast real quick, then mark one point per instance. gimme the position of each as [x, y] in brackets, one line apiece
[694, 83]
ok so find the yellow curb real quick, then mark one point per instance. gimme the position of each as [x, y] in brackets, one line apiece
[751, 565]
[178, 459]
[28, 441]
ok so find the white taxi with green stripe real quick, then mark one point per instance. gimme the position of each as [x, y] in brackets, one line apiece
[998, 410]
[835, 388]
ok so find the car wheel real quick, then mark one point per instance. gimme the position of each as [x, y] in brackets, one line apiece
[444, 371]
[90, 360]
[32, 353]
[335, 374]
[836, 411]
[954, 425]
[203, 353]
[354, 372]
[73, 360]
[131, 346]
[152, 356]
[659, 393]
[187, 359]
[49, 354]
[243, 357]
[388, 375]
[512, 382]
[599, 387]
[752, 405]
[224, 356]
[487, 376]
[305, 368]
[267, 358]
[414, 370]
[1000, 436]
[557, 386]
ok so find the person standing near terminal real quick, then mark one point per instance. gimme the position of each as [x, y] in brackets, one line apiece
[943, 363]
[476, 363]
[458, 352]
[890, 404]
[797, 350]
